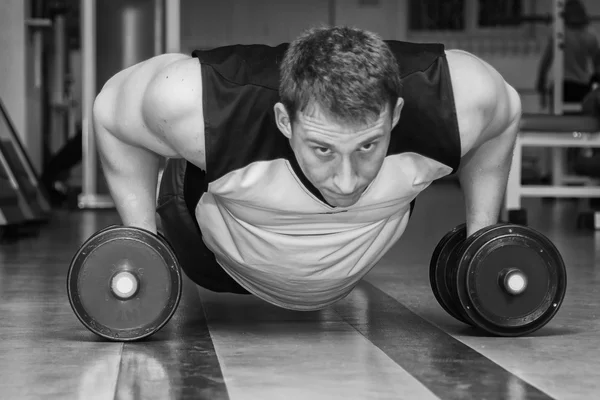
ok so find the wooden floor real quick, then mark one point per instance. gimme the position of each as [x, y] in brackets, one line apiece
[389, 339]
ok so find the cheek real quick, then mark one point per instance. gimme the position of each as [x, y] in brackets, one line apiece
[369, 166]
[315, 169]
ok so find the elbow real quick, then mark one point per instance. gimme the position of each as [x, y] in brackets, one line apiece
[103, 125]
[515, 106]
[102, 112]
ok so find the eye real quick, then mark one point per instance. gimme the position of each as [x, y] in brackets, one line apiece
[323, 151]
[368, 146]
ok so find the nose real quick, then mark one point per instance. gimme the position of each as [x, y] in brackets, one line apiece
[345, 178]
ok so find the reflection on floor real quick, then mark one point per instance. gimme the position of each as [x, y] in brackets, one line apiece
[389, 339]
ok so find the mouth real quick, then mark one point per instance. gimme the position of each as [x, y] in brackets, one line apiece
[355, 193]
[344, 197]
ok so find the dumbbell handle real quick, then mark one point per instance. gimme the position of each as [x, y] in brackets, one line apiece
[513, 280]
[124, 285]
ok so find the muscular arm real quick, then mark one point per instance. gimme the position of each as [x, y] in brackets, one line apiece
[143, 114]
[491, 112]
[484, 175]
[131, 172]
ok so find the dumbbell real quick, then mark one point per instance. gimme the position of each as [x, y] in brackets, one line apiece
[124, 283]
[505, 279]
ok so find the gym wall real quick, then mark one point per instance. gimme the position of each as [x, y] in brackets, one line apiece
[514, 52]
[206, 24]
[19, 83]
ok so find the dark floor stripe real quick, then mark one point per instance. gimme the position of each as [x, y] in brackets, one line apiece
[178, 362]
[447, 367]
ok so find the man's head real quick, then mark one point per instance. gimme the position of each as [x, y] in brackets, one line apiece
[340, 98]
[576, 16]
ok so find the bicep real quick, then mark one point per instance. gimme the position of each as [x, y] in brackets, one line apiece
[493, 145]
[500, 133]
[501, 105]
[172, 110]
[486, 105]
[508, 110]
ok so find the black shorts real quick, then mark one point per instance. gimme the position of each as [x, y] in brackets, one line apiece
[181, 187]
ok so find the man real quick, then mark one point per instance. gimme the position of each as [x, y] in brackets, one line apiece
[581, 49]
[292, 169]
[587, 160]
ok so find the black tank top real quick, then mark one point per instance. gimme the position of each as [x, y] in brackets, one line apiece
[268, 227]
[241, 86]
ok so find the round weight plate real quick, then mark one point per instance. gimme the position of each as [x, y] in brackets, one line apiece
[487, 256]
[140, 253]
[440, 270]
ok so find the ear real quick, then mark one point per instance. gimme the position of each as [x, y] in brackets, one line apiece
[397, 111]
[283, 120]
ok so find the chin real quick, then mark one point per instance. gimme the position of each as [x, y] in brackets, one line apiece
[337, 202]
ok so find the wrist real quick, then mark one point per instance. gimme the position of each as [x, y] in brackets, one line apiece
[148, 224]
[475, 225]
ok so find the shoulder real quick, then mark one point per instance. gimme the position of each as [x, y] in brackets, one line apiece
[174, 89]
[157, 105]
[486, 105]
[592, 37]
[590, 32]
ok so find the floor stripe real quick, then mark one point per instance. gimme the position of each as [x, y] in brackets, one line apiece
[178, 362]
[270, 353]
[447, 367]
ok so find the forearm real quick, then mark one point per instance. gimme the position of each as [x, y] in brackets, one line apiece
[483, 176]
[132, 175]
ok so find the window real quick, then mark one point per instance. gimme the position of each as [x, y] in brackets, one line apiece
[463, 15]
[498, 13]
[437, 15]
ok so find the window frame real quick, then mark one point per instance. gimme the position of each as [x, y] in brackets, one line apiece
[472, 28]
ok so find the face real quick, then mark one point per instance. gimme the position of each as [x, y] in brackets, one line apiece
[339, 160]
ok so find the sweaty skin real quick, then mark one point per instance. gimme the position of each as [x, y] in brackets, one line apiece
[154, 109]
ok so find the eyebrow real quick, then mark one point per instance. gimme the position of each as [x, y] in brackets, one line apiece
[371, 138]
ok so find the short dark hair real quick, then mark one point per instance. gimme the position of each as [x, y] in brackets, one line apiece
[350, 73]
[575, 15]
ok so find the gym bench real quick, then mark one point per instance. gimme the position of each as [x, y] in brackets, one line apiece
[556, 132]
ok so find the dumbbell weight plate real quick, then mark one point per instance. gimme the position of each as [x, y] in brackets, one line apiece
[440, 271]
[510, 279]
[133, 257]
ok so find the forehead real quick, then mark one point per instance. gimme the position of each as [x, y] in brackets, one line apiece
[316, 123]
